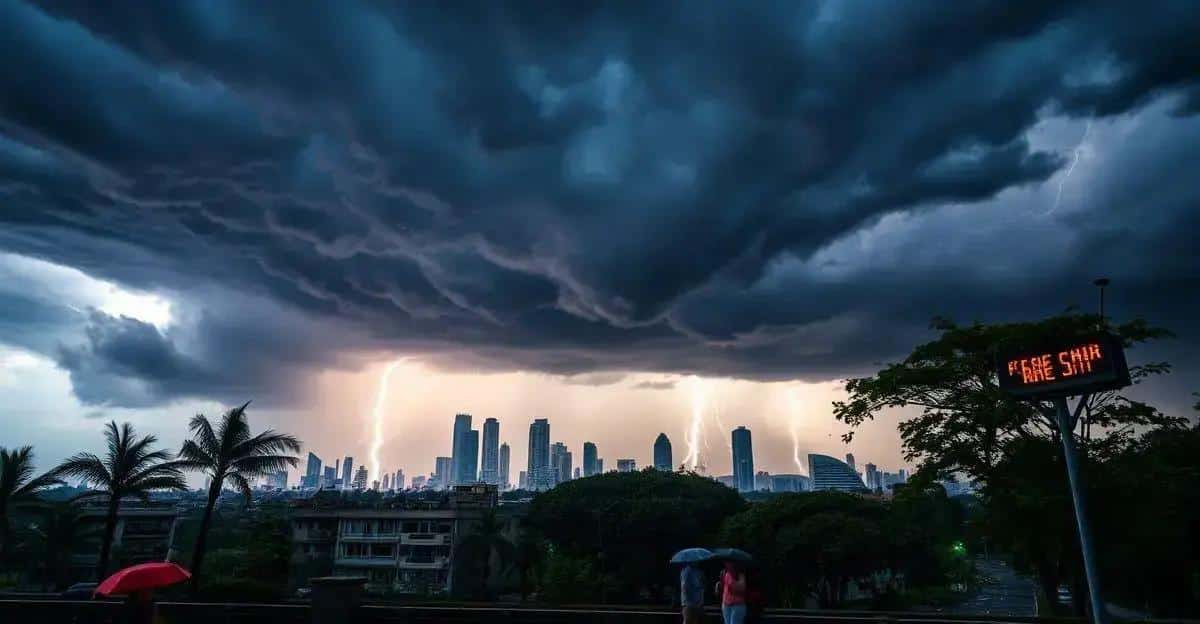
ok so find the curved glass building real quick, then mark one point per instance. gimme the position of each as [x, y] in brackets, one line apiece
[833, 474]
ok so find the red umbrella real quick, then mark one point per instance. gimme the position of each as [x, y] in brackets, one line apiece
[143, 576]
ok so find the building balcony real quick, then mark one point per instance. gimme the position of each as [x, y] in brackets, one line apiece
[369, 537]
[437, 563]
[365, 562]
[425, 539]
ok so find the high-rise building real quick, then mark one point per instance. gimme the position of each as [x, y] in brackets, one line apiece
[762, 481]
[850, 462]
[590, 464]
[576, 474]
[728, 481]
[830, 474]
[347, 477]
[743, 460]
[312, 473]
[468, 470]
[903, 475]
[441, 472]
[662, 453]
[873, 477]
[375, 484]
[387, 482]
[539, 472]
[329, 477]
[360, 478]
[462, 424]
[279, 480]
[599, 465]
[505, 456]
[489, 469]
[790, 483]
[522, 482]
[626, 465]
[418, 482]
[398, 480]
[556, 451]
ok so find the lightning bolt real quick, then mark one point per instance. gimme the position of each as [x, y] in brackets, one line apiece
[795, 429]
[699, 390]
[377, 415]
[1074, 162]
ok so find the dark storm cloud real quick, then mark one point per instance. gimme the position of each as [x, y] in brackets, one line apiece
[575, 188]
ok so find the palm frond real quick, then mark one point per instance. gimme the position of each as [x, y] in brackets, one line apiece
[269, 442]
[203, 435]
[86, 466]
[242, 485]
[262, 465]
[193, 456]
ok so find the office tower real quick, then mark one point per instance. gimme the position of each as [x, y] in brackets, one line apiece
[468, 470]
[662, 453]
[489, 461]
[360, 478]
[762, 480]
[329, 477]
[902, 475]
[790, 483]
[347, 475]
[522, 483]
[441, 472]
[418, 482]
[462, 424]
[312, 473]
[375, 485]
[850, 461]
[743, 460]
[590, 465]
[557, 450]
[872, 476]
[539, 472]
[504, 466]
[829, 473]
[387, 482]
[599, 465]
[576, 474]
[279, 480]
[398, 480]
[626, 465]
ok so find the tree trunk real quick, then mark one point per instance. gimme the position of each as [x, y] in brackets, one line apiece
[214, 492]
[110, 529]
[5, 527]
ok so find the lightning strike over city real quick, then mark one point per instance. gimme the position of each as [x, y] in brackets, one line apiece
[377, 415]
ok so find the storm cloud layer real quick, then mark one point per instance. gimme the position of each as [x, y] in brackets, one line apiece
[771, 190]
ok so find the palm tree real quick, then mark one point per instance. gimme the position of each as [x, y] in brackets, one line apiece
[230, 453]
[129, 468]
[487, 538]
[18, 488]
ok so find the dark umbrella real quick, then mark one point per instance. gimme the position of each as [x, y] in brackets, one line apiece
[732, 554]
[691, 555]
[142, 577]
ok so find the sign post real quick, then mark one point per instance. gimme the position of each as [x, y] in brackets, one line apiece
[1052, 371]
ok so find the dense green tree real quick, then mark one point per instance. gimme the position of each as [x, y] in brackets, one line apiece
[475, 551]
[18, 489]
[130, 467]
[60, 532]
[629, 524]
[229, 453]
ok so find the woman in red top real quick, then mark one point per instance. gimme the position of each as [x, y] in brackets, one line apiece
[732, 588]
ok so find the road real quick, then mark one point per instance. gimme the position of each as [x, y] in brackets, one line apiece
[1004, 593]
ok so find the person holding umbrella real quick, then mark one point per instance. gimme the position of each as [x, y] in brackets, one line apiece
[732, 586]
[691, 583]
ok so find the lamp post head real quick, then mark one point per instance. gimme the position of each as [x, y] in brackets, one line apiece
[1102, 282]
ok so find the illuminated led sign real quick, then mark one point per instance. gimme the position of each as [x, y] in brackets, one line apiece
[1065, 367]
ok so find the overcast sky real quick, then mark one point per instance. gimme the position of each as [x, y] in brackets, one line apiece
[621, 216]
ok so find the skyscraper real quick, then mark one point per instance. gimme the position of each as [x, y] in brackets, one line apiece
[360, 478]
[590, 464]
[441, 472]
[743, 460]
[850, 461]
[418, 482]
[873, 477]
[279, 480]
[560, 460]
[522, 482]
[387, 481]
[576, 475]
[347, 477]
[312, 473]
[489, 471]
[504, 466]
[539, 469]
[626, 465]
[599, 465]
[462, 424]
[662, 453]
[830, 474]
[329, 476]
[398, 480]
[468, 470]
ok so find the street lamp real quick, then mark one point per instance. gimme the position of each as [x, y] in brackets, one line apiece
[1101, 283]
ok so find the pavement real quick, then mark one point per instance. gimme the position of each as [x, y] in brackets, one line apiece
[1003, 592]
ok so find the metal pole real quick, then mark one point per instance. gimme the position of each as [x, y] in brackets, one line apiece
[1099, 612]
